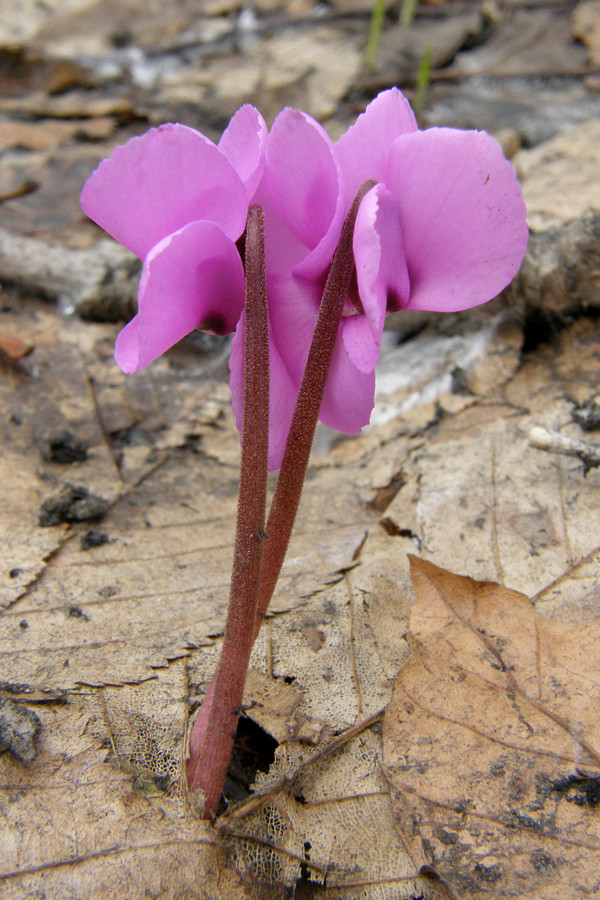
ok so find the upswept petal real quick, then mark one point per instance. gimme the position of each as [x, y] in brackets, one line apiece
[282, 249]
[282, 394]
[156, 183]
[363, 150]
[293, 308]
[381, 274]
[191, 279]
[305, 186]
[462, 214]
[244, 143]
[349, 393]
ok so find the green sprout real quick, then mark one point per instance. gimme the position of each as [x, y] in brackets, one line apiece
[375, 27]
[407, 14]
[422, 80]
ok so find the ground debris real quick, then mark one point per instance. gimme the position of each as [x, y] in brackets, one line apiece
[93, 538]
[587, 414]
[12, 348]
[19, 728]
[71, 503]
[554, 442]
[64, 447]
[99, 282]
[490, 741]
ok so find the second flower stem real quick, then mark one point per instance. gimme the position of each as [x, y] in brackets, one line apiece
[284, 505]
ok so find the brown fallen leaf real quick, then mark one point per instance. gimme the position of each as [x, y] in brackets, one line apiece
[12, 348]
[492, 742]
[102, 835]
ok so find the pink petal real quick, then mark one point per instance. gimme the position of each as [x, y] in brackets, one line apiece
[463, 217]
[192, 279]
[282, 249]
[362, 346]
[282, 394]
[303, 182]
[293, 308]
[363, 150]
[243, 143]
[155, 184]
[349, 393]
[381, 274]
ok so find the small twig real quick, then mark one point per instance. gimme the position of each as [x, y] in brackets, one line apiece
[238, 810]
[263, 842]
[25, 187]
[554, 442]
[566, 574]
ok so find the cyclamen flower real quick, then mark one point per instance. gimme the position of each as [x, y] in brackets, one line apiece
[179, 202]
[444, 229]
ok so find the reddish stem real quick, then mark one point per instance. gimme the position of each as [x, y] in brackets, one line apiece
[255, 574]
[213, 732]
[306, 411]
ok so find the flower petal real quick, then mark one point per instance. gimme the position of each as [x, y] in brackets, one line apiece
[462, 214]
[293, 309]
[349, 393]
[363, 150]
[192, 279]
[282, 394]
[282, 249]
[304, 185]
[381, 274]
[243, 143]
[156, 183]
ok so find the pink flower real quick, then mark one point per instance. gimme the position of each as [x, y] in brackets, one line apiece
[179, 202]
[443, 230]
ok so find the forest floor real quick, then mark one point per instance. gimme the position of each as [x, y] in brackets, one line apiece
[420, 718]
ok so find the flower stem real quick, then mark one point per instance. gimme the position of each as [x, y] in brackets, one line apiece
[213, 732]
[306, 411]
[257, 562]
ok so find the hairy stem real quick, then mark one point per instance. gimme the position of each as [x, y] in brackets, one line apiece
[213, 732]
[306, 411]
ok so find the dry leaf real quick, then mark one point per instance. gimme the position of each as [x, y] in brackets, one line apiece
[72, 823]
[147, 606]
[12, 348]
[492, 742]
[334, 815]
